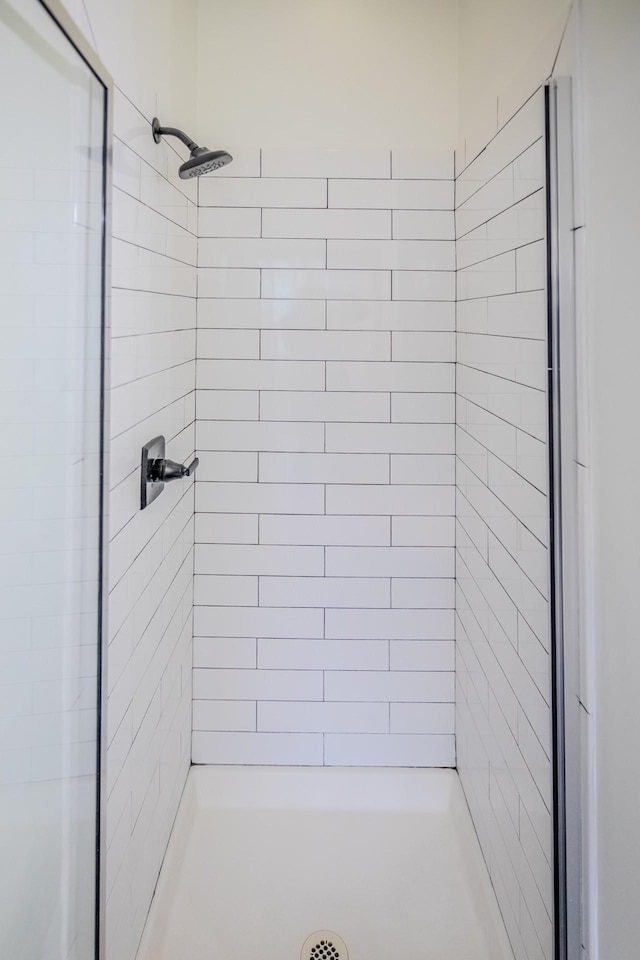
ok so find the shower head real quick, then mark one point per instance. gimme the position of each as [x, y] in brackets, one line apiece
[201, 160]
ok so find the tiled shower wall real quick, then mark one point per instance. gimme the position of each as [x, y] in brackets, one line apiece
[151, 551]
[324, 564]
[502, 667]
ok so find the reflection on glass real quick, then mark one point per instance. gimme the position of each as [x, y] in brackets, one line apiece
[51, 209]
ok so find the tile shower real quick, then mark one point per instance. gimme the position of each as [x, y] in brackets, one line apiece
[353, 342]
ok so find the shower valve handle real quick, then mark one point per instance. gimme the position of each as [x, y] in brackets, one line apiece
[166, 470]
[156, 470]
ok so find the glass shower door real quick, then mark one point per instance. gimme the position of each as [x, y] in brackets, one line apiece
[52, 213]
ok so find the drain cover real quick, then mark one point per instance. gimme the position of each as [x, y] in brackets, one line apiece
[324, 945]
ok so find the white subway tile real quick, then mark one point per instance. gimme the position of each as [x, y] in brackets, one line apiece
[257, 192]
[423, 654]
[344, 407]
[531, 267]
[392, 687]
[261, 314]
[324, 717]
[224, 652]
[422, 718]
[422, 532]
[516, 226]
[247, 560]
[491, 432]
[263, 621]
[534, 657]
[423, 225]
[519, 315]
[488, 278]
[524, 500]
[258, 435]
[312, 162]
[257, 685]
[490, 199]
[295, 654]
[219, 715]
[260, 375]
[396, 376]
[391, 194]
[323, 224]
[327, 284]
[390, 437]
[134, 312]
[324, 592]
[423, 407]
[228, 283]
[324, 345]
[428, 347]
[514, 403]
[531, 460]
[393, 315]
[242, 467]
[389, 562]
[226, 528]
[228, 344]
[508, 357]
[126, 169]
[324, 468]
[408, 164]
[221, 590]
[410, 625]
[260, 497]
[391, 254]
[391, 500]
[229, 252]
[337, 531]
[163, 196]
[228, 222]
[423, 285]
[227, 405]
[534, 755]
[288, 749]
[390, 750]
[417, 468]
[472, 315]
[423, 593]
[133, 268]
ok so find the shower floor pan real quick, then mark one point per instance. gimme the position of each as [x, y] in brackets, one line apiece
[262, 857]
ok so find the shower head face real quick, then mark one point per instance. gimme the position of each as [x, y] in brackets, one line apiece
[204, 161]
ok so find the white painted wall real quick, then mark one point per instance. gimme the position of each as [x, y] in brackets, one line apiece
[506, 48]
[340, 73]
[611, 38]
[148, 47]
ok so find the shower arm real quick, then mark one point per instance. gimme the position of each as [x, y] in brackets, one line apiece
[159, 132]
